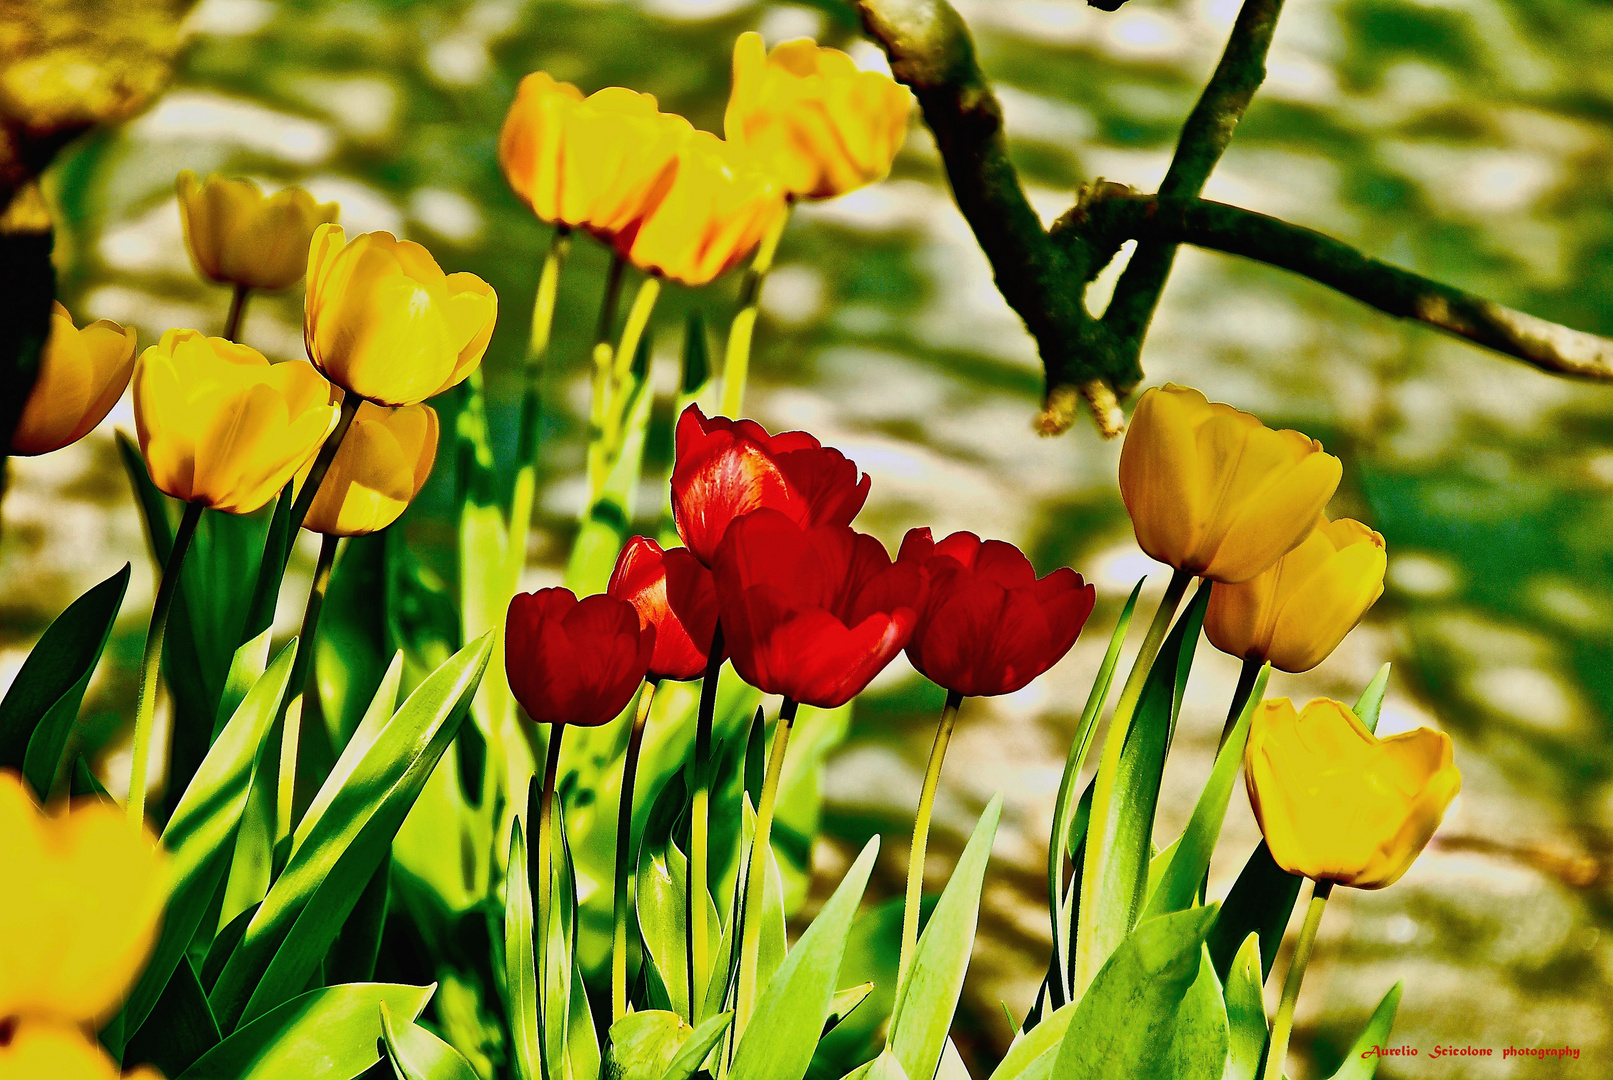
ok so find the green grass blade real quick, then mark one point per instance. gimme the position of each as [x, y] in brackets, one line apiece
[1358, 1064]
[520, 963]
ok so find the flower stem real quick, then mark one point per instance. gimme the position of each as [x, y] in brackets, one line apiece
[756, 870]
[921, 837]
[526, 443]
[232, 321]
[551, 768]
[145, 710]
[624, 852]
[1240, 696]
[736, 358]
[699, 811]
[327, 454]
[300, 683]
[599, 406]
[1283, 1027]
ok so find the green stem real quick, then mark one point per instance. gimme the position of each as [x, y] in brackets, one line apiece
[1240, 697]
[736, 359]
[699, 823]
[1283, 1027]
[756, 870]
[921, 836]
[146, 709]
[599, 405]
[551, 769]
[232, 321]
[300, 683]
[327, 454]
[624, 852]
[526, 443]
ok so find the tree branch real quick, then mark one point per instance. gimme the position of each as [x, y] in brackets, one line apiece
[1114, 214]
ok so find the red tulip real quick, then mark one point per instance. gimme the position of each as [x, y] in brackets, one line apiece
[727, 468]
[574, 661]
[813, 613]
[989, 626]
[674, 595]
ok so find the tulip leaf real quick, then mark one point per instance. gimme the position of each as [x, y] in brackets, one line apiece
[1358, 1063]
[661, 901]
[332, 1032]
[643, 1044]
[1246, 1012]
[778, 1043]
[178, 1029]
[1190, 860]
[1261, 900]
[927, 1000]
[1115, 874]
[359, 811]
[1370, 703]
[846, 1002]
[353, 956]
[520, 963]
[1033, 1053]
[41, 706]
[417, 1054]
[152, 502]
[1145, 1013]
[698, 1047]
[351, 653]
[199, 835]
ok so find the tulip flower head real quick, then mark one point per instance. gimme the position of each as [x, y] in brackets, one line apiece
[598, 163]
[380, 467]
[573, 661]
[1213, 491]
[989, 626]
[812, 612]
[83, 897]
[1297, 612]
[727, 468]
[1335, 802]
[220, 425]
[384, 322]
[719, 205]
[674, 595]
[82, 373]
[815, 121]
[237, 236]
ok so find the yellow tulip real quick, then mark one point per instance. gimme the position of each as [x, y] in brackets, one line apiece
[383, 321]
[1335, 802]
[1215, 492]
[822, 126]
[220, 425]
[45, 1051]
[1297, 612]
[236, 236]
[716, 211]
[598, 163]
[82, 373]
[83, 895]
[381, 466]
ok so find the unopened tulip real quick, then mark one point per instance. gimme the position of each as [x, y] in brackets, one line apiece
[812, 613]
[717, 209]
[1335, 802]
[989, 626]
[82, 373]
[815, 121]
[727, 468]
[597, 163]
[1297, 612]
[237, 236]
[382, 464]
[573, 661]
[383, 321]
[220, 425]
[674, 594]
[1214, 492]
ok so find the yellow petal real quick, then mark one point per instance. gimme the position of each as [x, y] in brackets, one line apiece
[237, 236]
[383, 462]
[82, 373]
[42, 1050]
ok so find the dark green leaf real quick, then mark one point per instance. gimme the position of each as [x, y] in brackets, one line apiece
[1261, 901]
[178, 1030]
[1358, 1064]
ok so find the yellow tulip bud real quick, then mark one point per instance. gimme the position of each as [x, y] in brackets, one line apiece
[220, 425]
[1335, 802]
[82, 374]
[236, 236]
[822, 126]
[716, 211]
[380, 467]
[598, 163]
[83, 896]
[1297, 612]
[383, 321]
[1215, 492]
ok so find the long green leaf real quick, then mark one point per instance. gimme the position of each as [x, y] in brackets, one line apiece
[1246, 1012]
[1358, 1064]
[179, 1029]
[1261, 900]
[644, 1044]
[331, 1032]
[928, 999]
[778, 1043]
[417, 1054]
[1198, 1048]
[1032, 1054]
[698, 1047]
[520, 965]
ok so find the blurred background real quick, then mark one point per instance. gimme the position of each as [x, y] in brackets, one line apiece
[1471, 140]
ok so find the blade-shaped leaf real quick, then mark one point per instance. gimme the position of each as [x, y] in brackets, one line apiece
[1261, 900]
[417, 1054]
[698, 1047]
[1198, 1048]
[644, 1044]
[1032, 1054]
[179, 1029]
[1370, 703]
[1358, 1064]
[520, 965]
[1246, 1012]
[844, 1003]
